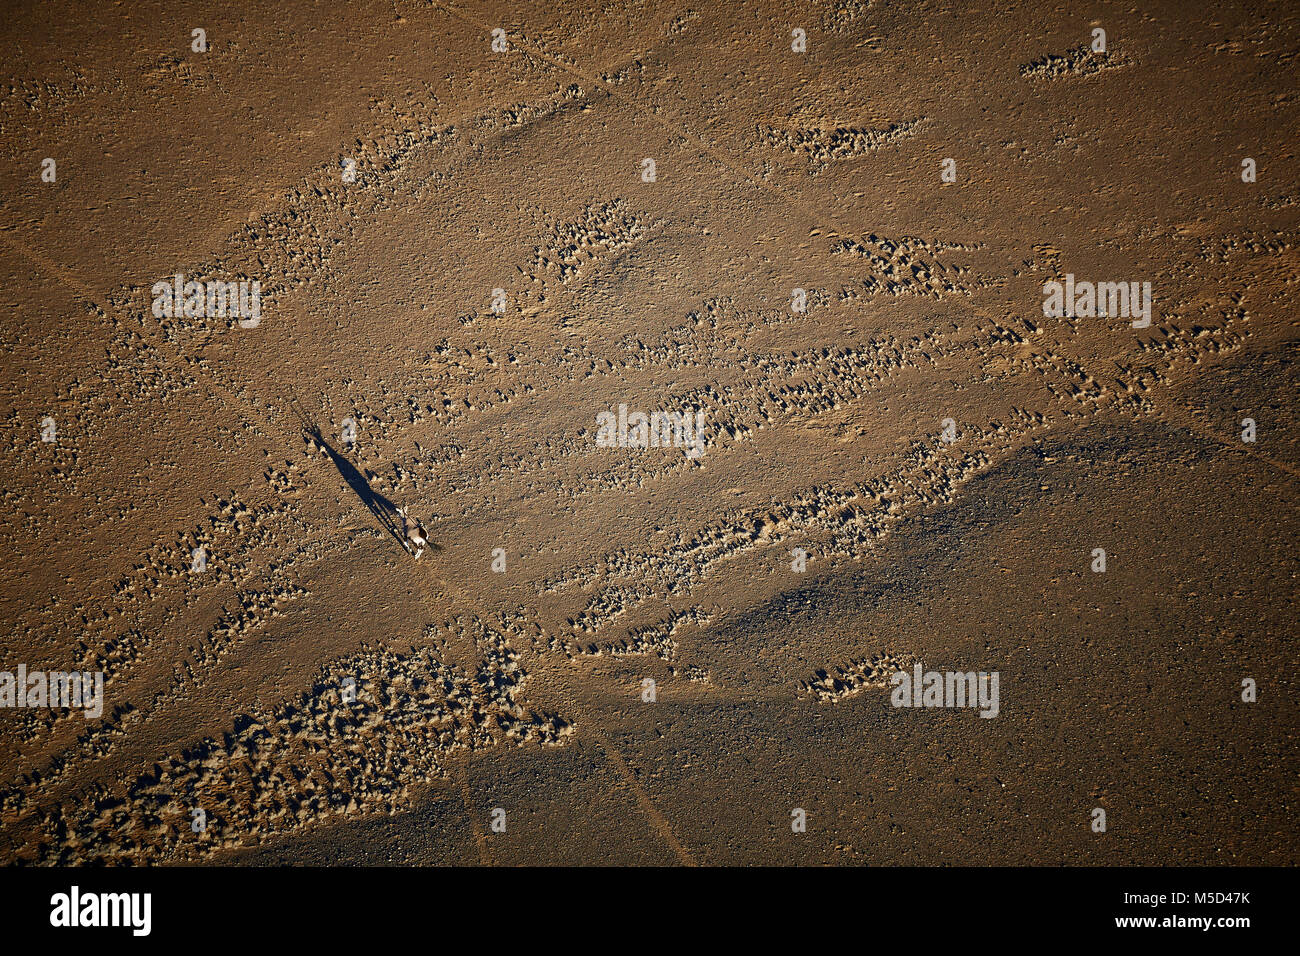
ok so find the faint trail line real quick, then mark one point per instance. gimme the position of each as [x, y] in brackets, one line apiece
[164, 349]
[72, 282]
[1181, 417]
[462, 777]
[1167, 411]
[256, 415]
[656, 819]
[719, 155]
[49, 265]
[468, 655]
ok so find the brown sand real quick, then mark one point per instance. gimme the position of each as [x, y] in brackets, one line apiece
[825, 430]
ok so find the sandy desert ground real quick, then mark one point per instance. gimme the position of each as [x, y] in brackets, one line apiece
[464, 260]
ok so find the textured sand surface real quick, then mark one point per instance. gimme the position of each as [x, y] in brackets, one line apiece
[948, 457]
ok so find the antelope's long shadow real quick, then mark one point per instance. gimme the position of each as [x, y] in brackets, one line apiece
[383, 509]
